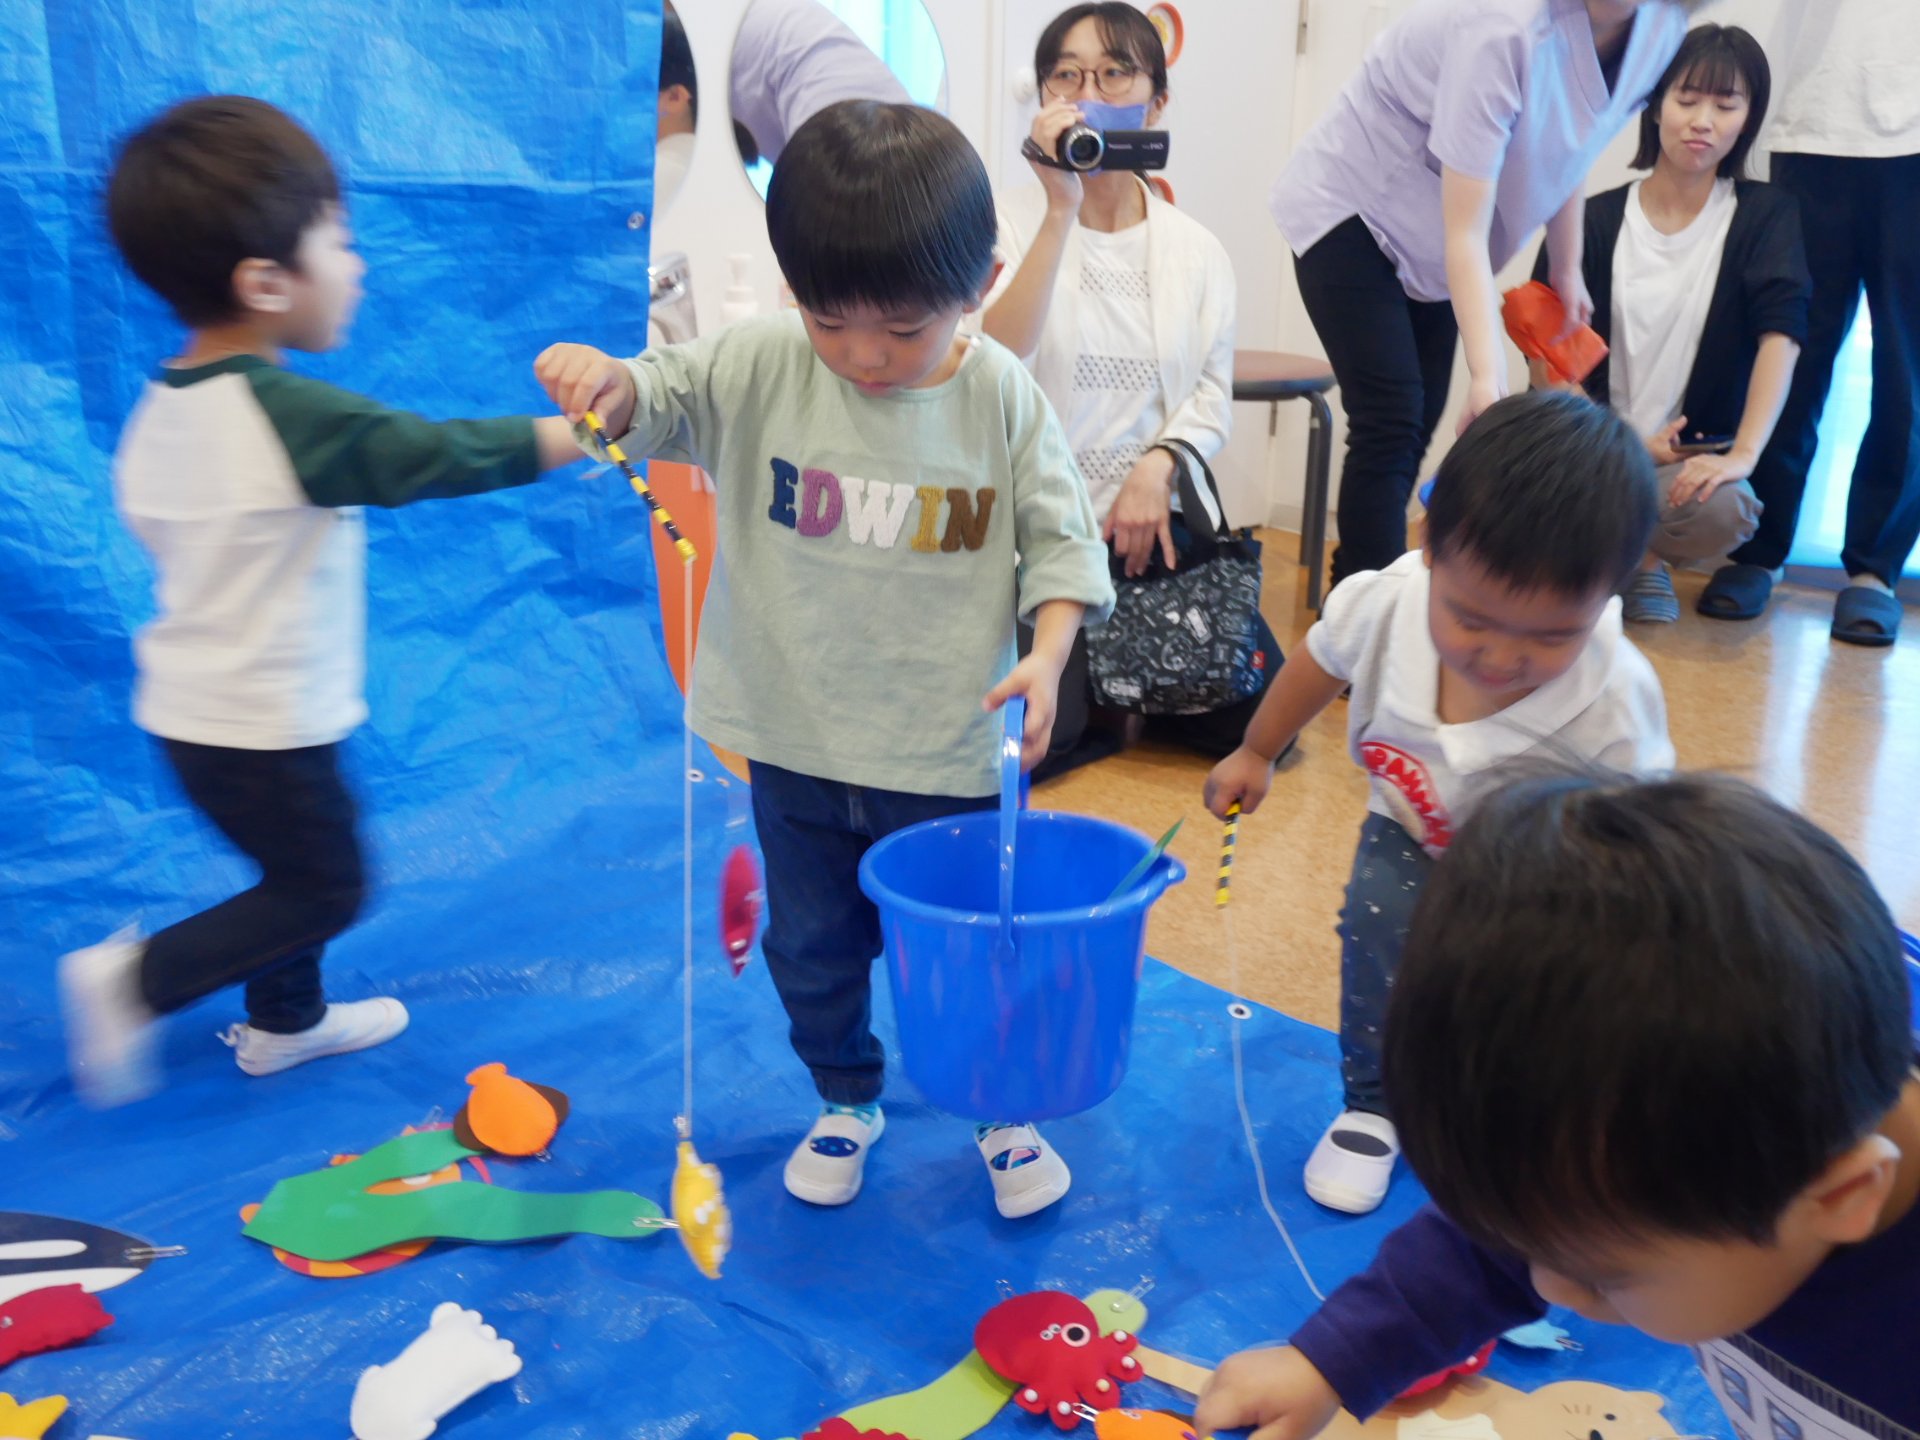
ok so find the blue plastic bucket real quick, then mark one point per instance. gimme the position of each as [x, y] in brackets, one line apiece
[1046, 1031]
[1014, 954]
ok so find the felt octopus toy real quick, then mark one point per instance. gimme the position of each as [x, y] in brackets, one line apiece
[1048, 1345]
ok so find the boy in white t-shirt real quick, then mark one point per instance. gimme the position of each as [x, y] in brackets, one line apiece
[1500, 638]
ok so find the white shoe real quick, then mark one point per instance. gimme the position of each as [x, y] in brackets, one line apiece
[1353, 1163]
[1028, 1174]
[829, 1166]
[355, 1025]
[109, 1027]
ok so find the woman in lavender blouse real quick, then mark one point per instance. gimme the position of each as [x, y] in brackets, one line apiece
[1470, 124]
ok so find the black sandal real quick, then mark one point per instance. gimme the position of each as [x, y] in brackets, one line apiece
[1736, 592]
[1866, 616]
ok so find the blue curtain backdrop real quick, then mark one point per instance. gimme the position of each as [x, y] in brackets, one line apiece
[498, 161]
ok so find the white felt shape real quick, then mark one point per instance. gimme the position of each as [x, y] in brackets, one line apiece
[458, 1357]
[1430, 1425]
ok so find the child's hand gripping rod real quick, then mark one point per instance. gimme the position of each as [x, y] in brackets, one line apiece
[619, 457]
[1230, 832]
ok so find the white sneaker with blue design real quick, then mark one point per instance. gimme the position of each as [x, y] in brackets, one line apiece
[1028, 1174]
[828, 1167]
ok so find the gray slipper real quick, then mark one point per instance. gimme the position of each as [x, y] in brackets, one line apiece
[1648, 598]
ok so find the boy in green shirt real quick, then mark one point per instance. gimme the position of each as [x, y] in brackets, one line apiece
[892, 497]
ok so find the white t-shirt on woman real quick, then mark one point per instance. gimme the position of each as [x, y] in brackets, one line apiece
[1662, 289]
[1116, 410]
[1173, 331]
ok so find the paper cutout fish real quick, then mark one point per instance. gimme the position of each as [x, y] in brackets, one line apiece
[508, 1115]
[41, 1250]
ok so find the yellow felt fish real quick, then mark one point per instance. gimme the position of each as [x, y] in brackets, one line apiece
[700, 1210]
[32, 1420]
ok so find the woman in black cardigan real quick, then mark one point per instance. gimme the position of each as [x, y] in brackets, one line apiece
[1700, 289]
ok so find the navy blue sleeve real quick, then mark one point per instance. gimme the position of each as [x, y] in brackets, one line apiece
[1777, 285]
[1429, 1300]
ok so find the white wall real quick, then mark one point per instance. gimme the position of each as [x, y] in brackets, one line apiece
[1243, 88]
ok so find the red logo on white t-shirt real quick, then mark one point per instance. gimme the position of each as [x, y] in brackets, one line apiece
[1422, 814]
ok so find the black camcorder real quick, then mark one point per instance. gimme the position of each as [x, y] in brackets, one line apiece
[1082, 148]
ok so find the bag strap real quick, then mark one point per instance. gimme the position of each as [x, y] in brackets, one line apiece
[1192, 507]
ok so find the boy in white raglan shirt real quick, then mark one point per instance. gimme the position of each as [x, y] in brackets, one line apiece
[1501, 638]
[245, 482]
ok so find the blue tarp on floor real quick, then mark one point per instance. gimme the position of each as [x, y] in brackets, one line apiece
[576, 986]
[521, 782]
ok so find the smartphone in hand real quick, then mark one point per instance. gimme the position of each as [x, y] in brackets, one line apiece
[1704, 445]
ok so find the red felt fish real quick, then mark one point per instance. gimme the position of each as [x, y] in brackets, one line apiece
[1472, 1365]
[839, 1429]
[740, 899]
[49, 1319]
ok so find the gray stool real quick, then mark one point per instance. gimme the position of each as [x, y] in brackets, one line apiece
[1268, 377]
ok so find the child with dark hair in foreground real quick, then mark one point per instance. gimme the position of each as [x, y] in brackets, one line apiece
[892, 497]
[1651, 1052]
[1500, 638]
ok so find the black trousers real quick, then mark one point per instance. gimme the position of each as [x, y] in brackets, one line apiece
[1393, 357]
[291, 814]
[1862, 224]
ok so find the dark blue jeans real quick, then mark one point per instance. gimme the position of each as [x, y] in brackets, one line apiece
[1859, 217]
[823, 934]
[290, 813]
[1389, 867]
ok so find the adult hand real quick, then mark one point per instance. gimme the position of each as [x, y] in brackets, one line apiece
[1482, 395]
[1063, 187]
[1142, 513]
[1275, 1392]
[1575, 300]
[1661, 444]
[1704, 474]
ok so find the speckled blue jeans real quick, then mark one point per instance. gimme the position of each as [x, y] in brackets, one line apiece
[1389, 867]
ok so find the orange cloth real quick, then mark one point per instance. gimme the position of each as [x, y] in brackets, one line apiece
[1533, 315]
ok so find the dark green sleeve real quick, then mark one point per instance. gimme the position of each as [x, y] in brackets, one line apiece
[349, 450]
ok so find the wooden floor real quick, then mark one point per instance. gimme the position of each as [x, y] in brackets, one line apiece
[1832, 729]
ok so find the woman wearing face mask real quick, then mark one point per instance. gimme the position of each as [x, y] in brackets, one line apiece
[1701, 290]
[1124, 309]
[1470, 125]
